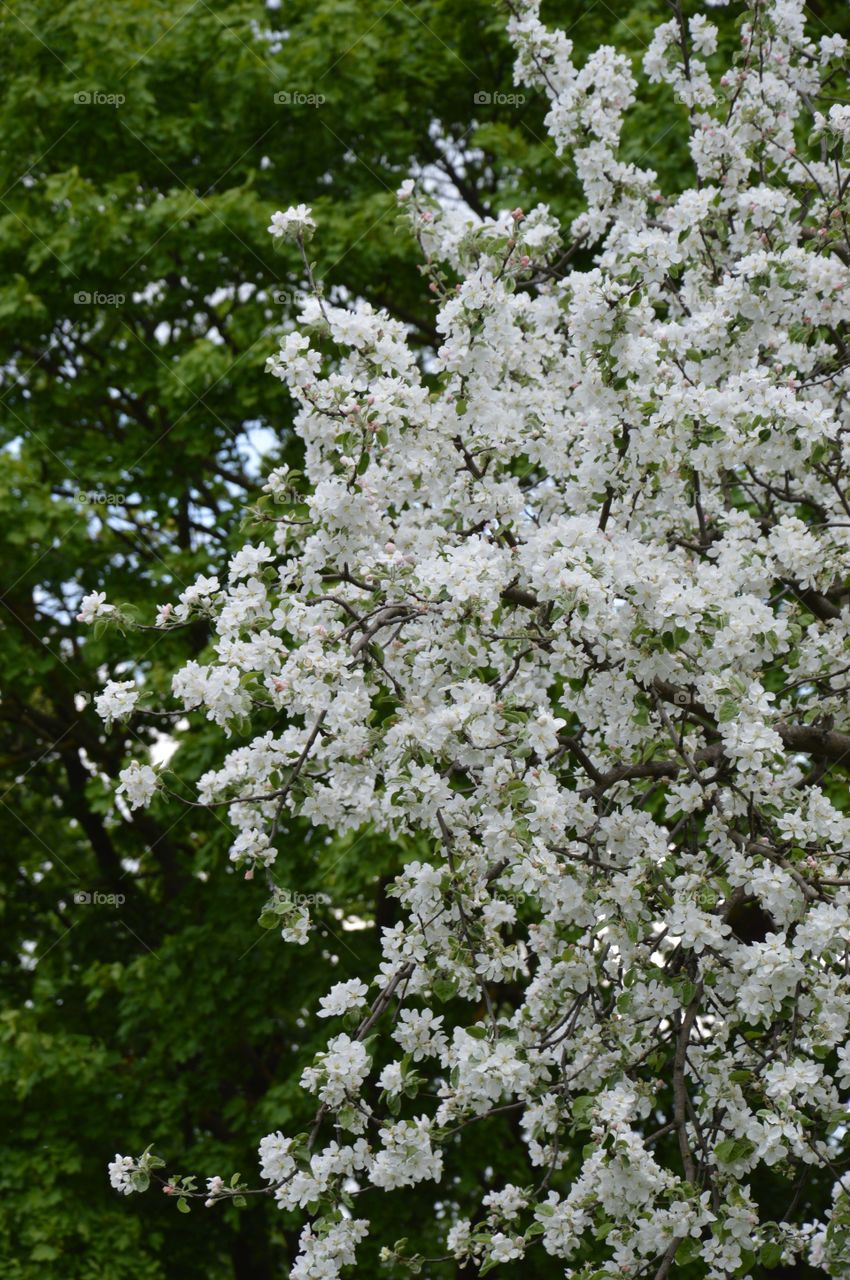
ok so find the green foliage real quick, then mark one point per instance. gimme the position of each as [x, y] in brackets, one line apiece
[138, 303]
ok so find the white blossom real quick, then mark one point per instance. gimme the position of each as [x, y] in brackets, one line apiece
[94, 606]
[565, 617]
[118, 700]
[276, 1162]
[292, 223]
[120, 1170]
[342, 997]
[139, 783]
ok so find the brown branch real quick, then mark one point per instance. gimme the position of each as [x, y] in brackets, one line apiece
[448, 841]
[680, 1092]
[667, 1261]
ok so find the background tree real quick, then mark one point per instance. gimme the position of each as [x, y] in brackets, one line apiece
[117, 1020]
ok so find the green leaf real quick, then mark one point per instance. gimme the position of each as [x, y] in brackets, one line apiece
[771, 1254]
[733, 1149]
[582, 1107]
[444, 988]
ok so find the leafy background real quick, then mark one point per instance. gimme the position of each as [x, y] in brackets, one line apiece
[135, 429]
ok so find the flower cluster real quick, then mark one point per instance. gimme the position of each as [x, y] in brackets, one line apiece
[292, 224]
[571, 608]
[138, 783]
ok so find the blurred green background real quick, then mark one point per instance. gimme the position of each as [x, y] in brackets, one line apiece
[143, 148]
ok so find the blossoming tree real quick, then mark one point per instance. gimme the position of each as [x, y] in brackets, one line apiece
[571, 607]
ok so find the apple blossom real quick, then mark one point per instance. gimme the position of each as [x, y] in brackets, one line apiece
[290, 224]
[94, 606]
[138, 784]
[118, 699]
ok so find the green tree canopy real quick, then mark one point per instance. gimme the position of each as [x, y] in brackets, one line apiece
[143, 149]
